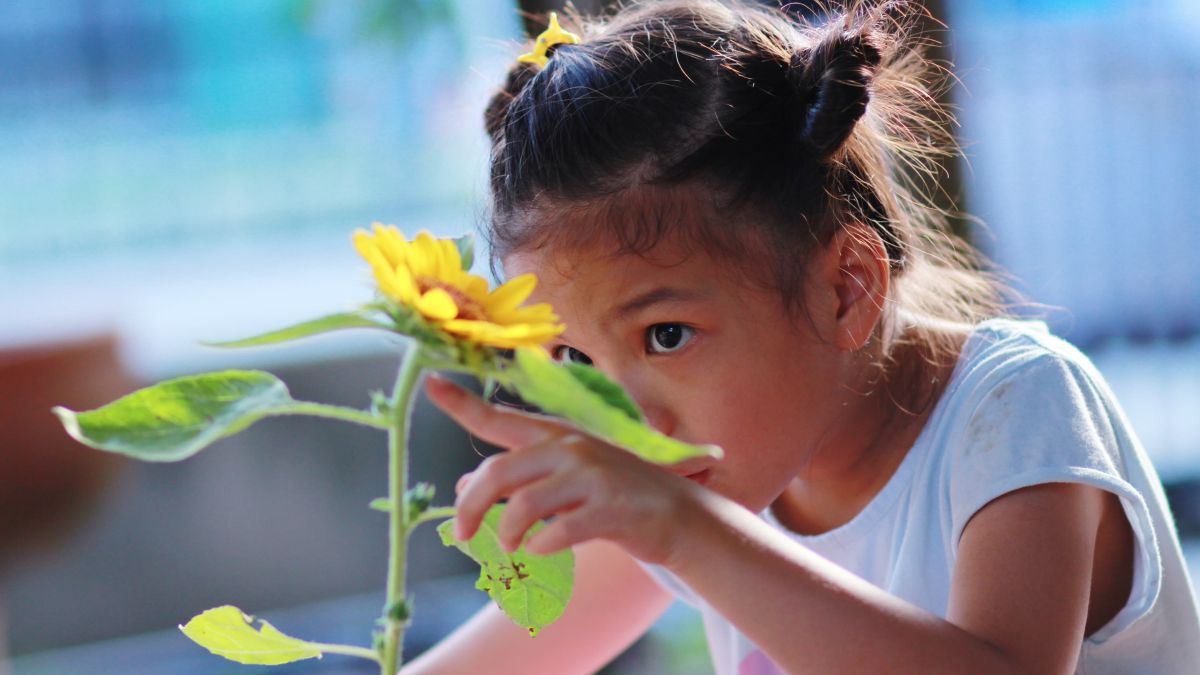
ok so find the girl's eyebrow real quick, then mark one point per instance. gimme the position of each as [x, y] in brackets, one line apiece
[655, 296]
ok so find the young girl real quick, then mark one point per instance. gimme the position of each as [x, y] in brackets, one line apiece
[713, 198]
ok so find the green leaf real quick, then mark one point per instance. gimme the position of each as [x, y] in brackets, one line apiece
[560, 391]
[226, 631]
[324, 324]
[610, 391]
[466, 250]
[177, 418]
[381, 504]
[532, 590]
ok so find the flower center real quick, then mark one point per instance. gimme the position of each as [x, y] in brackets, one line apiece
[468, 307]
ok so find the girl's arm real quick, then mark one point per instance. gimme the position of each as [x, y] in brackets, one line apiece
[614, 602]
[1019, 597]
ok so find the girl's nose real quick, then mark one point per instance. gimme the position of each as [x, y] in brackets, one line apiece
[659, 419]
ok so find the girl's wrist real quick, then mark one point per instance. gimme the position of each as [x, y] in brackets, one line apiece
[696, 526]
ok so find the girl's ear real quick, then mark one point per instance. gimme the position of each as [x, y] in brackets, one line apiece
[854, 266]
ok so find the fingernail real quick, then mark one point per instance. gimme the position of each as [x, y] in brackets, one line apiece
[462, 483]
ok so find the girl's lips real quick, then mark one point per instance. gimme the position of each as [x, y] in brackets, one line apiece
[700, 477]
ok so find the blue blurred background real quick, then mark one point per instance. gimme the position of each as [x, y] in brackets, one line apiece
[180, 170]
[224, 149]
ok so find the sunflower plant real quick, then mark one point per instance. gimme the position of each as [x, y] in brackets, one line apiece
[453, 321]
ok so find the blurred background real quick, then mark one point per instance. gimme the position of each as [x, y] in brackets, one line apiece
[175, 170]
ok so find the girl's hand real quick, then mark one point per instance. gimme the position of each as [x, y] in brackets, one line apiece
[594, 489]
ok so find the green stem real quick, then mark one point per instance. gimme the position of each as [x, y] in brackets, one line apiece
[432, 514]
[333, 412]
[348, 650]
[401, 408]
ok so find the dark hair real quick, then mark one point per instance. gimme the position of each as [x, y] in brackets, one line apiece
[797, 129]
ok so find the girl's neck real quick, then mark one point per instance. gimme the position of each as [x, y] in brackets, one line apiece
[864, 449]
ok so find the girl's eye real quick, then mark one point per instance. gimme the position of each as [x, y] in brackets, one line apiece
[565, 354]
[668, 337]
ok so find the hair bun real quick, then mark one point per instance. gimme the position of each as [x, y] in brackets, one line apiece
[832, 79]
[496, 113]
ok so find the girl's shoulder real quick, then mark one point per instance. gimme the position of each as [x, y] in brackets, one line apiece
[1015, 372]
[1023, 400]
[1001, 347]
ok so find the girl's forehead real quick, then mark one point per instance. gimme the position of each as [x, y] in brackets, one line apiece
[595, 267]
[645, 235]
[600, 280]
[637, 219]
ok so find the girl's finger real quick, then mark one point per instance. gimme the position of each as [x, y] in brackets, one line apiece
[499, 475]
[498, 426]
[552, 495]
[462, 482]
[567, 530]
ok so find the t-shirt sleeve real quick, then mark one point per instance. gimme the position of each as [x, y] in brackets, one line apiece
[1048, 421]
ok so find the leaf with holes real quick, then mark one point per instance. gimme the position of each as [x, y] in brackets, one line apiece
[533, 590]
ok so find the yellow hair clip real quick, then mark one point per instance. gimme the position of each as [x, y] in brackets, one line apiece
[553, 35]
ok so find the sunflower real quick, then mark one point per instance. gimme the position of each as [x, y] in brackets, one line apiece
[427, 275]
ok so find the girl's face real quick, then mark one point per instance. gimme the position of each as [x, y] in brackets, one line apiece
[709, 357]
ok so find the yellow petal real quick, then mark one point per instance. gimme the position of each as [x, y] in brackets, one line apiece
[468, 327]
[437, 304]
[483, 332]
[424, 259]
[399, 285]
[370, 252]
[451, 258]
[529, 332]
[489, 333]
[476, 287]
[510, 295]
[505, 342]
[395, 282]
[366, 246]
[540, 313]
[392, 243]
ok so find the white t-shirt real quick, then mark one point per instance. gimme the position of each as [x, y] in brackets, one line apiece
[1022, 408]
